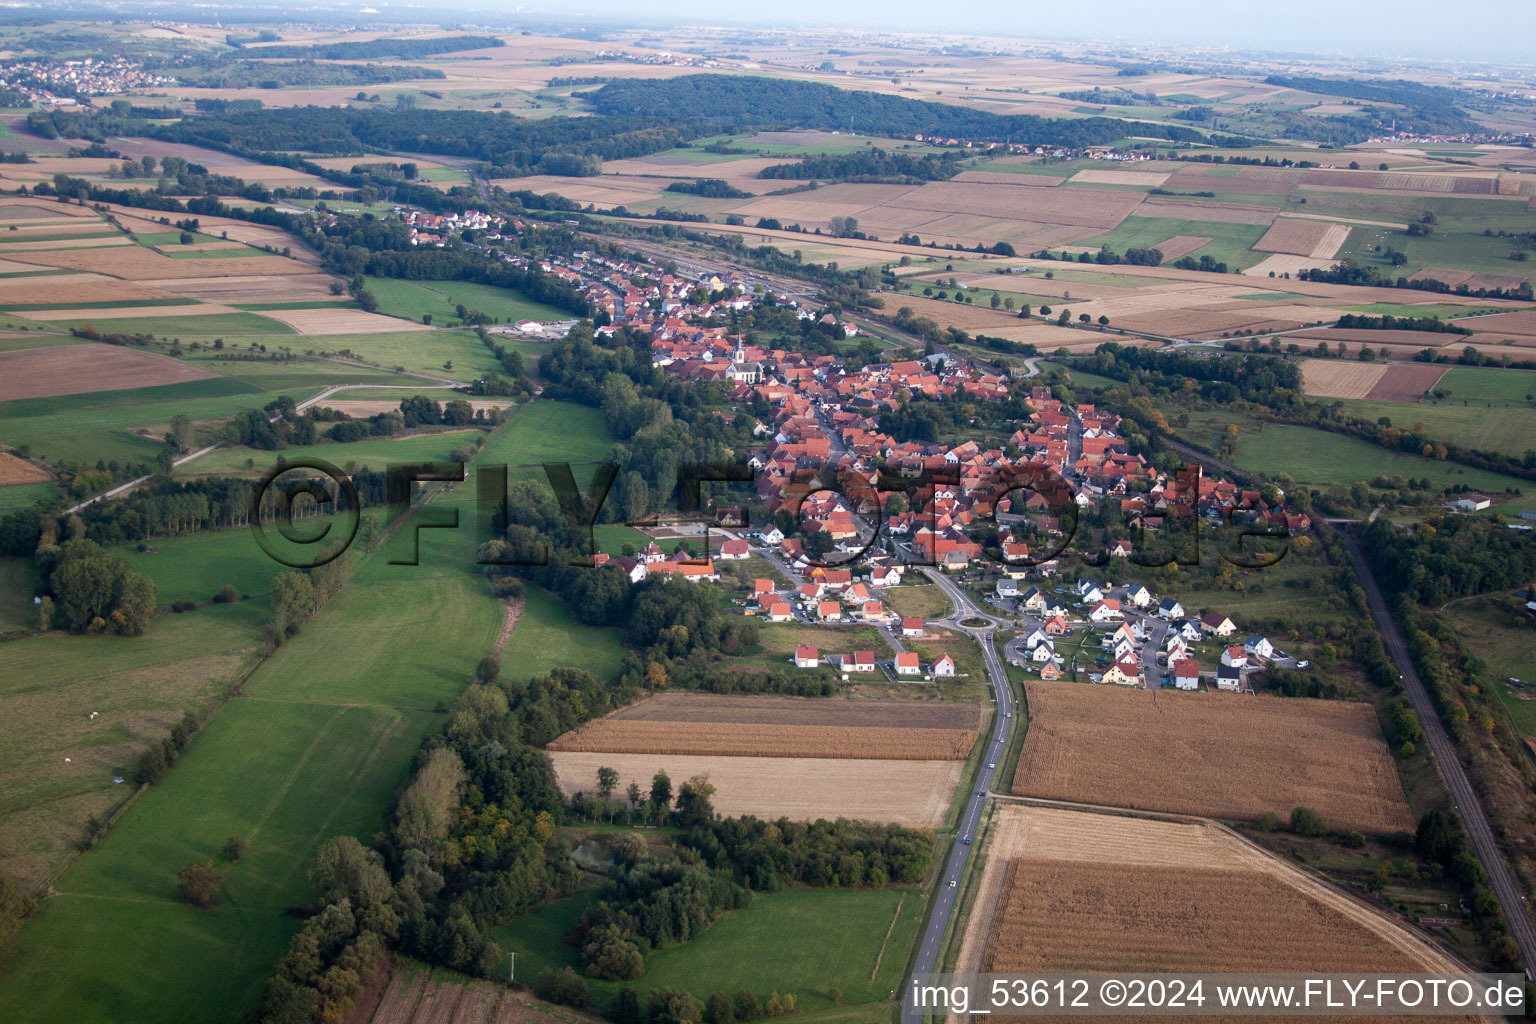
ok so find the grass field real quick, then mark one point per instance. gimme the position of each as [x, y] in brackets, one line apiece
[547, 638]
[925, 600]
[139, 688]
[18, 496]
[412, 299]
[316, 745]
[1488, 425]
[18, 582]
[373, 454]
[1499, 631]
[194, 567]
[426, 351]
[206, 325]
[1510, 387]
[1322, 458]
[1229, 243]
[801, 941]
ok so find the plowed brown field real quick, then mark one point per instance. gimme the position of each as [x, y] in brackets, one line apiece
[77, 369]
[1216, 754]
[758, 740]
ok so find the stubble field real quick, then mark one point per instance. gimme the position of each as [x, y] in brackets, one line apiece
[1214, 754]
[911, 793]
[1073, 891]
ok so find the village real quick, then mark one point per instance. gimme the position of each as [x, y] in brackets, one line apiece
[824, 433]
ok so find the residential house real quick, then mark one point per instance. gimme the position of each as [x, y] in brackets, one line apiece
[1218, 624]
[1007, 588]
[885, 576]
[1234, 657]
[944, 667]
[1169, 608]
[829, 611]
[1032, 600]
[1056, 625]
[1189, 629]
[1186, 674]
[1259, 646]
[762, 588]
[779, 612]
[1050, 670]
[911, 626]
[1138, 595]
[1229, 677]
[635, 569]
[862, 661]
[733, 551]
[1043, 653]
[807, 657]
[1125, 671]
[772, 536]
[907, 664]
[1107, 610]
[1035, 639]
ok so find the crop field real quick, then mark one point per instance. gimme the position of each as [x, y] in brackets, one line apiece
[1073, 891]
[1335, 378]
[1488, 426]
[339, 321]
[1231, 243]
[767, 740]
[911, 793]
[819, 711]
[1405, 382]
[411, 997]
[1315, 238]
[15, 496]
[1511, 387]
[1213, 754]
[75, 369]
[17, 471]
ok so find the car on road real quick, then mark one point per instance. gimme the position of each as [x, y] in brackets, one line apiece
[951, 883]
[990, 765]
[1008, 714]
[967, 840]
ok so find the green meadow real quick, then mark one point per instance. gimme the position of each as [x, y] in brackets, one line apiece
[804, 942]
[414, 299]
[317, 741]
[442, 353]
[373, 454]
[1231, 244]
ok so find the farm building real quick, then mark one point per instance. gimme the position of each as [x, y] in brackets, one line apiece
[1471, 502]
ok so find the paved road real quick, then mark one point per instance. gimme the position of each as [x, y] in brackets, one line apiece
[1510, 901]
[948, 895]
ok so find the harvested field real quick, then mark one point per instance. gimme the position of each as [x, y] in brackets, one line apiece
[136, 263]
[44, 245]
[911, 793]
[410, 998]
[1316, 238]
[14, 470]
[1208, 323]
[125, 312]
[1216, 754]
[1074, 891]
[1406, 382]
[79, 369]
[1366, 336]
[1336, 378]
[723, 739]
[65, 288]
[246, 288]
[1180, 246]
[1284, 263]
[340, 321]
[1510, 325]
[772, 710]
[1096, 177]
[1195, 209]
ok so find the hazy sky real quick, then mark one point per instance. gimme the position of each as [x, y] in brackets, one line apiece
[1502, 29]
